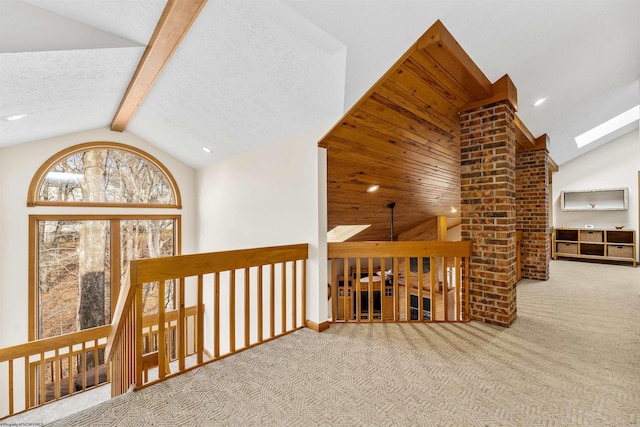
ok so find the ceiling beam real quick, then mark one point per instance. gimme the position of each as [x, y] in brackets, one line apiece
[176, 19]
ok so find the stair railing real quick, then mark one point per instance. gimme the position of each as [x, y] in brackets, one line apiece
[250, 296]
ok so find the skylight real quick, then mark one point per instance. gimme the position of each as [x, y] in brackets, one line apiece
[609, 126]
[342, 233]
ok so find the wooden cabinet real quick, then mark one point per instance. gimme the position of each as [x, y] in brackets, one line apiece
[604, 244]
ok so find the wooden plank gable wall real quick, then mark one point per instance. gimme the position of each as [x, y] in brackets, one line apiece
[404, 135]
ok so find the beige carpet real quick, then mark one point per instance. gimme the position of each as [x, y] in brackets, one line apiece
[571, 358]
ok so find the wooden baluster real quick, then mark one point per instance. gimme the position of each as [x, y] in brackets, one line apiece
[432, 276]
[383, 289]
[42, 379]
[56, 374]
[232, 311]
[370, 295]
[136, 331]
[11, 387]
[216, 315]
[283, 295]
[294, 296]
[272, 303]
[346, 289]
[96, 370]
[182, 335]
[260, 302]
[358, 290]
[396, 297]
[466, 289]
[304, 291]
[420, 290]
[458, 290]
[247, 308]
[407, 288]
[334, 292]
[200, 327]
[445, 290]
[70, 362]
[28, 386]
[83, 365]
[161, 331]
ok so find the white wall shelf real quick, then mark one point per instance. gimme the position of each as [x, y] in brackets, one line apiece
[612, 199]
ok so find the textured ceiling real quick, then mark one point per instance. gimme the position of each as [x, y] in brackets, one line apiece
[583, 55]
[250, 72]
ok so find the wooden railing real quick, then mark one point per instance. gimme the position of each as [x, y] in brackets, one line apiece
[404, 279]
[45, 363]
[261, 292]
[46, 370]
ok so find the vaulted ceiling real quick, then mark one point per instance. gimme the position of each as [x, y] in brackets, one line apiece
[251, 72]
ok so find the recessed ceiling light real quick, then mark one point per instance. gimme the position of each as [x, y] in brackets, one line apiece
[373, 188]
[609, 126]
[540, 101]
[453, 210]
[13, 117]
[206, 149]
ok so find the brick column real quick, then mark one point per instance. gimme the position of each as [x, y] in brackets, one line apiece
[532, 209]
[488, 209]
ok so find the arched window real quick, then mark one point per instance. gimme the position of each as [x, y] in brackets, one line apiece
[103, 174]
[78, 260]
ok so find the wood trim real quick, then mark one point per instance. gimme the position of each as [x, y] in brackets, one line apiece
[175, 22]
[442, 228]
[48, 344]
[399, 249]
[524, 138]
[195, 264]
[39, 176]
[318, 327]
[438, 41]
[33, 278]
[553, 166]
[540, 143]
[501, 90]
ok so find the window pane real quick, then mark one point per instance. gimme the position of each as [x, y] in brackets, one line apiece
[146, 238]
[106, 176]
[74, 285]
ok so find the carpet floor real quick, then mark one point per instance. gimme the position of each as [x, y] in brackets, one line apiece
[571, 358]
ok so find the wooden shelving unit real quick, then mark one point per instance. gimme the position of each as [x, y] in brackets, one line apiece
[597, 244]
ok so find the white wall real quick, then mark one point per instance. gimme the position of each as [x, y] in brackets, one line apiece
[18, 164]
[273, 195]
[613, 165]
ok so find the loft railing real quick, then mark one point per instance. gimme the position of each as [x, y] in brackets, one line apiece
[49, 369]
[251, 296]
[38, 372]
[397, 281]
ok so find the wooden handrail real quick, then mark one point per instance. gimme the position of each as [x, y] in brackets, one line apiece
[175, 333]
[400, 249]
[124, 302]
[49, 344]
[158, 269]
